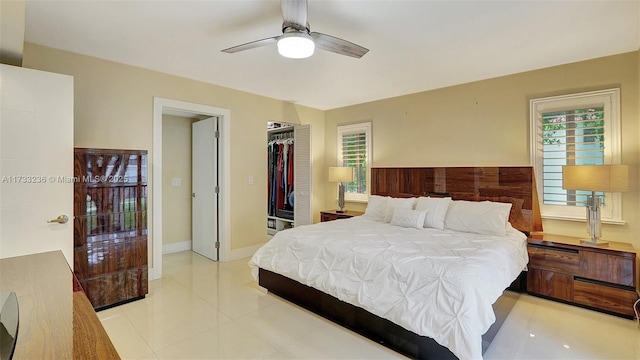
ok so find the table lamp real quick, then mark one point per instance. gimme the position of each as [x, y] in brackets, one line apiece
[594, 178]
[340, 175]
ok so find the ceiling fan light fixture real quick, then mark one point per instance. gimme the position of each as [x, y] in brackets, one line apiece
[296, 45]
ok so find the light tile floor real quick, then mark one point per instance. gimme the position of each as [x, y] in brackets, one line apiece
[206, 310]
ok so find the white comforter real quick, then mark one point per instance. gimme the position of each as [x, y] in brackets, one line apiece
[436, 283]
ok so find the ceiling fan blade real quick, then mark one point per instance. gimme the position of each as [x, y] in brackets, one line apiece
[294, 14]
[337, 45]
[252, 45]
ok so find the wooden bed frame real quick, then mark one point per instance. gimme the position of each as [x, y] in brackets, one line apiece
[515, 185]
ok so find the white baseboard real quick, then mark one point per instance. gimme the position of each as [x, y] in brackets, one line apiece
[176, 247]
[242, 253]
[153, 275]
[236, 254]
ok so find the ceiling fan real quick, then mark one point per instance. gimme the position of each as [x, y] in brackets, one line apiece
[297, 41]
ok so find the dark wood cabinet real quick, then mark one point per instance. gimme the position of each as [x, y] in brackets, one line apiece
[600, 278]
[110, 224]
[329, 215]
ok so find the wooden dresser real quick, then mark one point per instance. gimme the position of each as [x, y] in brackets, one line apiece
[110, 225]
[56, 322]
[599, 278]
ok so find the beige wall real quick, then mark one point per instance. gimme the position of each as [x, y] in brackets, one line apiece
[176, 164]
[114, 109]
[480, 123]
[487, 123]
[12, 25]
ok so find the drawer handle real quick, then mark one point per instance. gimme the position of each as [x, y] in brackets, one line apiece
[572, 251]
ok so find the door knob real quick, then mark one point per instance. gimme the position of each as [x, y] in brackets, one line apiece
[62, 219]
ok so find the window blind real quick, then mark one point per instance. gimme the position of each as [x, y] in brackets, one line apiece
[354, 155]
[570, 137]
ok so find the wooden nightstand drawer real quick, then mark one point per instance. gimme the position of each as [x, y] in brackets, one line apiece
[554, 259]
[600, 296]
[550, 284]
[614, 269]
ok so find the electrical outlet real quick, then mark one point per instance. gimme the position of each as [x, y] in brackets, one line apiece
[251, 180]
[176, 182]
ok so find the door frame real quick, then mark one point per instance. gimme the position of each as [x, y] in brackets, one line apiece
[161, 105]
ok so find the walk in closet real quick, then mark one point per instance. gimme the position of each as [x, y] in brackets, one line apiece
[288, 176]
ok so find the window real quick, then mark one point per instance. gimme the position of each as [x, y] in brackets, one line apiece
[354, 150]
[577, 129]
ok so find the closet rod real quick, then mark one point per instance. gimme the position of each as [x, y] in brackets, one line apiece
[280, 136]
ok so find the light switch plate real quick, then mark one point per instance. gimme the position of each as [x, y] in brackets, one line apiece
[176, 182]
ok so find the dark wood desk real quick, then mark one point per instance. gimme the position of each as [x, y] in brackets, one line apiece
[55, 321]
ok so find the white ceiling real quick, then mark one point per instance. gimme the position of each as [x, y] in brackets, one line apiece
[414, 45]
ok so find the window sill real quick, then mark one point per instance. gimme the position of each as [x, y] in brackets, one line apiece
[356, 201]
[581, 219]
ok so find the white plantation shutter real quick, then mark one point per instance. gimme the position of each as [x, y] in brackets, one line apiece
[572, 137]
[354, 155]
[578, 129]
[354, 142]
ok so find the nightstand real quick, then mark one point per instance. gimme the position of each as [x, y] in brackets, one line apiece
[599, 278]
[329, 215]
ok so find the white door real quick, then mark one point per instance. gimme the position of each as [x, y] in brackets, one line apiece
[204, 183]
[302, 211]
[36, 162]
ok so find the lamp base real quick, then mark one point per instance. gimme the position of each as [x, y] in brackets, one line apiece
[594, 243]
[593, 222]
[341, 197]
[340, 211]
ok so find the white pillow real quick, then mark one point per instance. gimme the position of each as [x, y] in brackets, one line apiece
[485, 217]
[394, 203]
[408, 218]
[436, 210]
[376, 207]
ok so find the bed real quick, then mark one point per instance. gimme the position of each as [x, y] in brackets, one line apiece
[424, 292]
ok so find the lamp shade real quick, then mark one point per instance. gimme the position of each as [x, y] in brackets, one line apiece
[606, 178]
[340, 174]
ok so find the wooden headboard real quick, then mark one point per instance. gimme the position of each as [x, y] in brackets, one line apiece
[511, 184]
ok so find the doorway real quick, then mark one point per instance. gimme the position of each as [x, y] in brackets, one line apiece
[180, 108]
